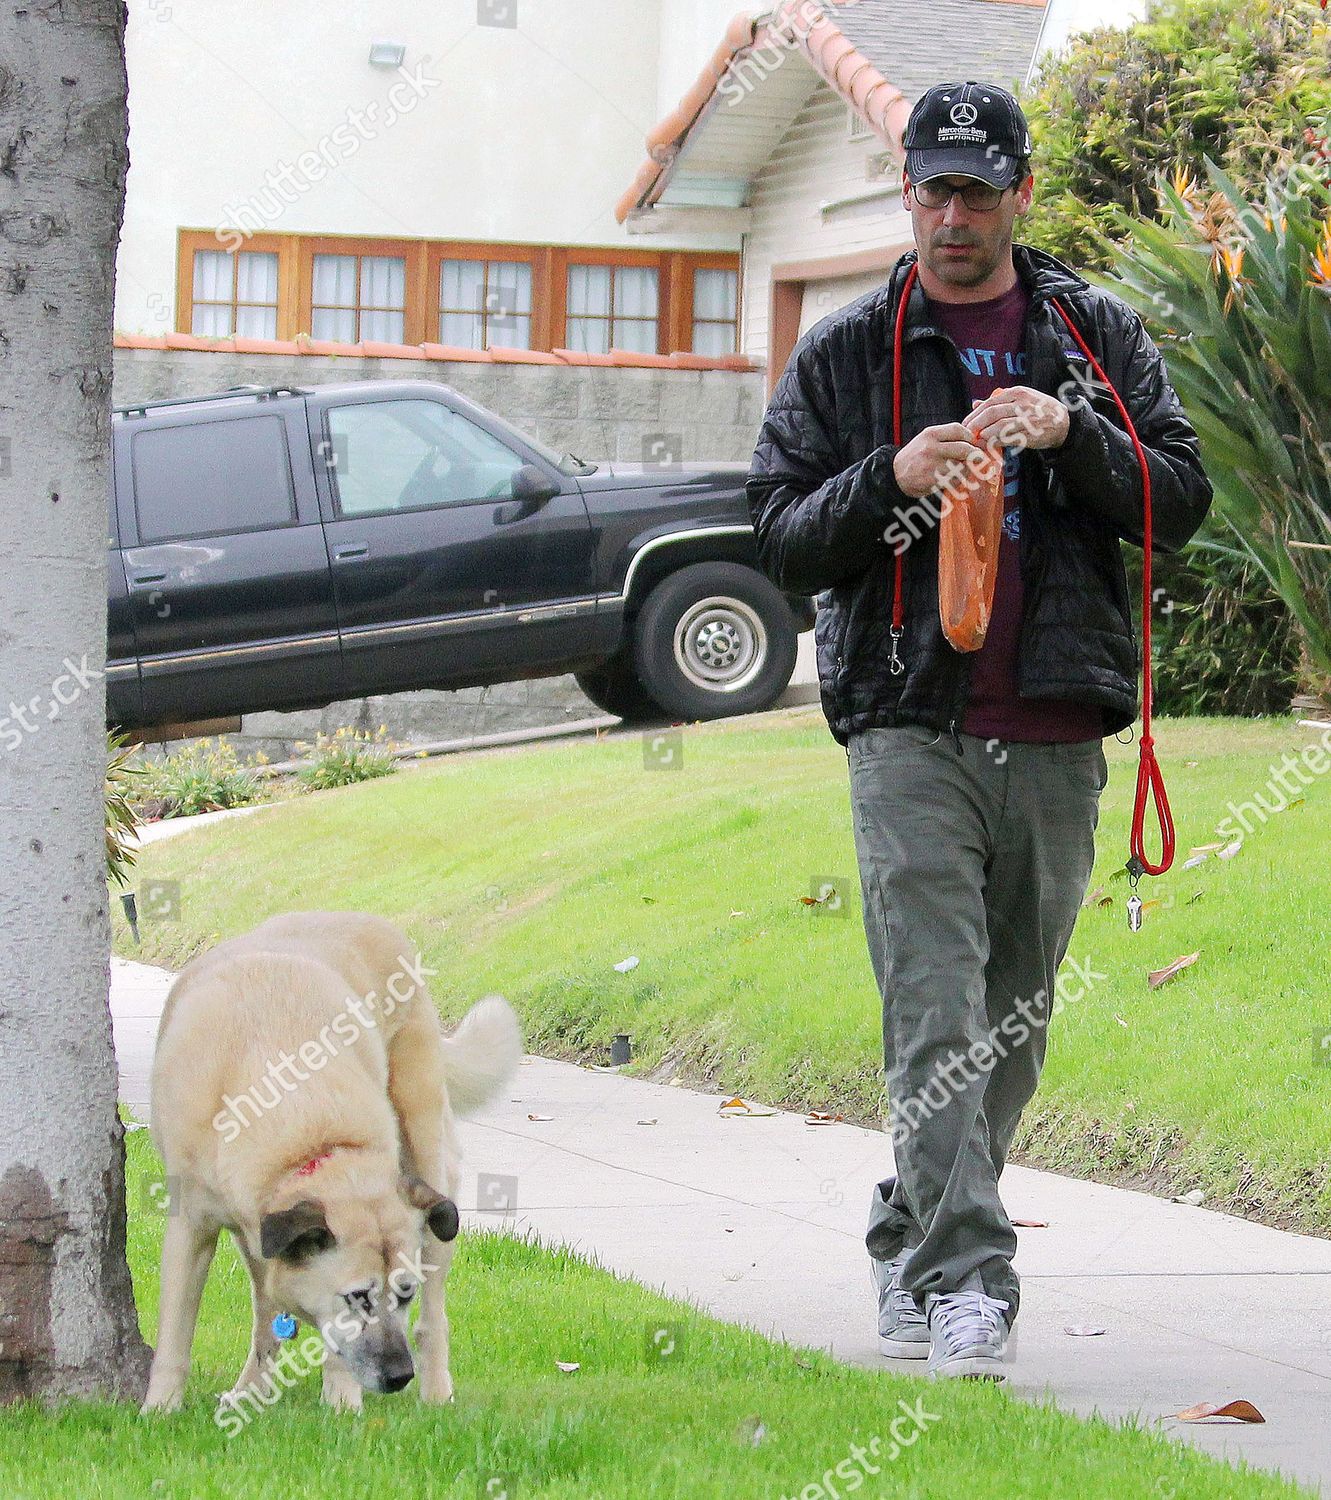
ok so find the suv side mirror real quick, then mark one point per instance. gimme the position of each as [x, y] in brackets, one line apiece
[533, 487]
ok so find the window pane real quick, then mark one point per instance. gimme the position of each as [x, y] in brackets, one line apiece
[460, 330]
[383, 327]
[461, 285]
[511, 333]
[256, 322]
[635, 292]
[383, 281]
[212, 477]
[635, 335]
[589, 335]
[332, 323]
[715, 294]
[211, 321]
[256, 277]
[714, 339]
[508, 305]
[212, 276]
[588, 290]
[334, 281]
[382, 445]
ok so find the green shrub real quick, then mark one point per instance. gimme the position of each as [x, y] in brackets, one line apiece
[202, 777]
[344, 757]
[1235, 80]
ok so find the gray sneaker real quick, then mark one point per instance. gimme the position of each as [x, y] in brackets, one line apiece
[967, 1334]
[902, 1330]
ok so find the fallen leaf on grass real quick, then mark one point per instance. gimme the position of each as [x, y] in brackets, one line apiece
[1242, 1411]
[1194, 1197]
[1030, 1223]
[820, 1117]
[561, 1364]
[1297, 802]
[1157, 977]
[1190, 763]
[1205, 848]
[1099, 897]
[738, 1106]
[1230, 850]
[820, 900]
[1083, 1330]
[1196, 896]
[1121, 1021]
[625, 964]
[650, 900]
[1197, 859]
[739, 914]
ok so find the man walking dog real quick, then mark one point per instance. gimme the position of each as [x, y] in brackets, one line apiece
[975, 777]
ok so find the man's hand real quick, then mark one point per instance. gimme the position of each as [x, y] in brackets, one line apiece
[933, 458]
[1020, 417]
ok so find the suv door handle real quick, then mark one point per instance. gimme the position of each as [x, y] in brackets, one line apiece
[147, 578]
[345, 554]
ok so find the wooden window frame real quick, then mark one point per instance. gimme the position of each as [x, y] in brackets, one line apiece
[549, 265]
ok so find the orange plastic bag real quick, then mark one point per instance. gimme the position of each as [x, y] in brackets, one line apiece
[969, 533]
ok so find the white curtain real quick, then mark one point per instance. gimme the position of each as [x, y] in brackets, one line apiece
[461, 296]
[256, 282]
[212, 294]
[383, 296]
[588, 296]
[334, 312]
[635, 309]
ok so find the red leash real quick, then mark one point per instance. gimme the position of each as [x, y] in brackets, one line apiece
[1149, 776]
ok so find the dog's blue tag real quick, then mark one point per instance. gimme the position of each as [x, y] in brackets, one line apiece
[284, 1326]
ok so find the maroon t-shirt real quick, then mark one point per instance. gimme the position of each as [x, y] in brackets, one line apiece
[991, 337]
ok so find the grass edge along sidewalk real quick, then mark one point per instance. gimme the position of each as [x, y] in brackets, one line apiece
[725, 1412]
[535, 872]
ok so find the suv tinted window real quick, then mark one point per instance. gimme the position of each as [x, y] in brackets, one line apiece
[403, 455]
[212, 477]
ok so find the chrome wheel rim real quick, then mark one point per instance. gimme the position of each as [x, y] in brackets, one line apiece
[720, 644]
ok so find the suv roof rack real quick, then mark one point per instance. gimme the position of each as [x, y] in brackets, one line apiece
[259, 392]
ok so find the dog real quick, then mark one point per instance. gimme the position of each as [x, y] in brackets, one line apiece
[304, 1097]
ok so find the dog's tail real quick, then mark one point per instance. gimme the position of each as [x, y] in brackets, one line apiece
[482, 1054]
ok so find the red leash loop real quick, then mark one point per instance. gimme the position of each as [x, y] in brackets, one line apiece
[1149, 775]
[1150, 778]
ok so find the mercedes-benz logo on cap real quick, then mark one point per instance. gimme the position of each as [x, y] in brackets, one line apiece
[964, 114]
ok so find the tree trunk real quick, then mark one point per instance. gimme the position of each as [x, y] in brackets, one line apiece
[67, 1320]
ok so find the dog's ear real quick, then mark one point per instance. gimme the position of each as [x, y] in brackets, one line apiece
[295, 1233]
[441, 1213]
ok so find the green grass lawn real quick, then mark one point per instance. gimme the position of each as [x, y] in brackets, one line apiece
[725, 1414]
[534, 871]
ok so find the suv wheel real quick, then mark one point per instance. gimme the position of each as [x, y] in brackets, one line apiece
[614, 688]
[715, 639]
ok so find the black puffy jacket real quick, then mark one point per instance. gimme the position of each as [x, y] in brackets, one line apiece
[821, 492]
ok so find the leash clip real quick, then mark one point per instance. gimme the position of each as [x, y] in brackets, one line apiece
[895, 664]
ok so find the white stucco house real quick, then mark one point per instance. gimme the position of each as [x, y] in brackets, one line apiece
[790, 136]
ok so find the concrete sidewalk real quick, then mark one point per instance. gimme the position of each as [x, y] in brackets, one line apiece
[760, 1220]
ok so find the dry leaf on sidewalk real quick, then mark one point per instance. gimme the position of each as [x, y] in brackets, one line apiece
[1084, 1330]
[646, 1122]
[820, 1117]
[1241, 1411]
[738, 1106]
[1030, 1223]
[1157, 977]
[540, 1117]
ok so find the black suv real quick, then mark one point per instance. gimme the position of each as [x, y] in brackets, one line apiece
[280, 548]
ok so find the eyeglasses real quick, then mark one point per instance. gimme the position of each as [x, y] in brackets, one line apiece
[978, 196]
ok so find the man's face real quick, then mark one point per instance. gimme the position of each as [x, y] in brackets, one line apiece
[963, 246]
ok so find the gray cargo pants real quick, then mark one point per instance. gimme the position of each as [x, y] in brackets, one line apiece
[973, 868]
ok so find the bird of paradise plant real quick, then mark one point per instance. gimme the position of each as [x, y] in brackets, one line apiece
[1239, 300]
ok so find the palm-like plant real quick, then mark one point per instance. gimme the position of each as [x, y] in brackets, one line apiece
[120, 819]
[1239, 300]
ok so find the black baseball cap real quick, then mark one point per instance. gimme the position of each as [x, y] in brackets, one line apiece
[966, 129]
